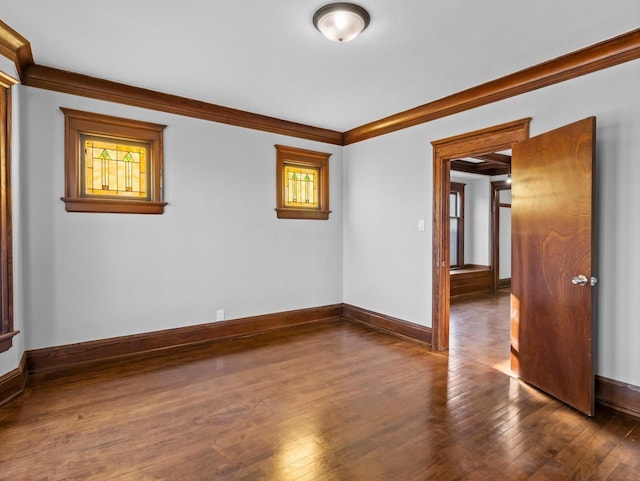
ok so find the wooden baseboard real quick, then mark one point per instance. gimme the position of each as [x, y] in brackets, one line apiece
[618, 395]
[12, 383]
[71, 355]
[613, 394]
[387, 324]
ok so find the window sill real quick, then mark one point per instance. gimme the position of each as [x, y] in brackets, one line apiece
[6, 340]
[283, 213]
[114, 206]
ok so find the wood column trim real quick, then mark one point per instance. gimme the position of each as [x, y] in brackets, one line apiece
[388, 324]
[151, 343]
[605, 54]
[13, 383]
[85, 86]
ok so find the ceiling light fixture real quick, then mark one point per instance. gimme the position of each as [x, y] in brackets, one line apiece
[341, 22]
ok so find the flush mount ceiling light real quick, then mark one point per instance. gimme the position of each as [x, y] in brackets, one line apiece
[341, 22]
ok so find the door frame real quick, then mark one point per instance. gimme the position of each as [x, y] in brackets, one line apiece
[478, 142]
[496, 188]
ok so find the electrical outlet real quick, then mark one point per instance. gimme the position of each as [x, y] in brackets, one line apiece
[420, 224]
[220, 315]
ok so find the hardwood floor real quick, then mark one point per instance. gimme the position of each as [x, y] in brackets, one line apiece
[479, 328]
[332, 401]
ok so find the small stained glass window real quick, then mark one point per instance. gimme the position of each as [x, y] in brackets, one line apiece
[115, 168]
[301, 189]
[302, 183]
[112, 164]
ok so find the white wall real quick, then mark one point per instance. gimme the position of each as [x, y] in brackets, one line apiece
[218, 245]
[388, 181]
[478, 207]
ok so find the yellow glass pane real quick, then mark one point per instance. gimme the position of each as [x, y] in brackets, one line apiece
[301, 187]
[114, 168]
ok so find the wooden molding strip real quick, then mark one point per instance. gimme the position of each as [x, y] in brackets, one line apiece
[85, 86]
[71, 355]
[15, 47]
[12, 384]
[618, 395]
[387, 324]
[608, 53]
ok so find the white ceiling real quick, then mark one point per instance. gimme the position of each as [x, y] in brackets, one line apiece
[265, 56]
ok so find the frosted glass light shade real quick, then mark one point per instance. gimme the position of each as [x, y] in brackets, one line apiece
[341, 22]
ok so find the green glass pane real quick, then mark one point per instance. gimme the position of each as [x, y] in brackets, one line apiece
[295, 177]
[306, 178]
[105, 155]
[128, 158]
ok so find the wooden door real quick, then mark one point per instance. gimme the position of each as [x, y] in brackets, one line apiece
[552, 238]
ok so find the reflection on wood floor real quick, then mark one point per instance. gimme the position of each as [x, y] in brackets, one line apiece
[479, 328]
[333, 401]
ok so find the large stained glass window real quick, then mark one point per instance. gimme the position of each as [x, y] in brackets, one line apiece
[115, 168]
[112, 164]
[302, 183]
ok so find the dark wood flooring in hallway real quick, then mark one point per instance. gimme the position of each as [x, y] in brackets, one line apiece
[479, 329]
[332, 401]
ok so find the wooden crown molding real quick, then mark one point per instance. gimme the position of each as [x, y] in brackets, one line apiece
[85, 86]
[608, 53]
[15, 47]
[602, 55]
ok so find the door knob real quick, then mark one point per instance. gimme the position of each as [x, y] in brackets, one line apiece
[583, 280]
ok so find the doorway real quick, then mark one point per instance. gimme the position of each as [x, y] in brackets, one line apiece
[480, 142]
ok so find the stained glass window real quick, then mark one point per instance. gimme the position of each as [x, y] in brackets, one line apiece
[112, 164]
[115, 168]
[301, 188]
[302, 183]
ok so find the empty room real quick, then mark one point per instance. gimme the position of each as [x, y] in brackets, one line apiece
[300, 240]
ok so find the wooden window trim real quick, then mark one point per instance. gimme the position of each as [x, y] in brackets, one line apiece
[459, 188]
[7, 331]
[79, 123]
[303, 158]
